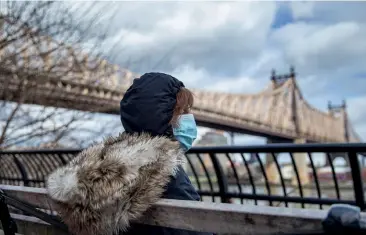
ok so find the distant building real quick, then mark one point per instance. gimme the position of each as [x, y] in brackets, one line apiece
[211, 138]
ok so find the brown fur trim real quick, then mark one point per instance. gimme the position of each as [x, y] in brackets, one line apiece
[109, 184]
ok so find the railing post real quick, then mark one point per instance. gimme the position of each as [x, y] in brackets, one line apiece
[221, 178]
[357, 180]
[22, 170]
[62, 159]
[7, 223]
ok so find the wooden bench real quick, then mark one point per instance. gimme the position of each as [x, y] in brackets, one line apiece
[218, 218]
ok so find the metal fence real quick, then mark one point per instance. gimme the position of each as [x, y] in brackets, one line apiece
[287, 175]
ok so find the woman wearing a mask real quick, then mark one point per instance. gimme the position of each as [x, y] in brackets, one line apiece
[110, 185]
[159, 104]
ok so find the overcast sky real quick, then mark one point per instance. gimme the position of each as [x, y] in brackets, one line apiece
[232, 47]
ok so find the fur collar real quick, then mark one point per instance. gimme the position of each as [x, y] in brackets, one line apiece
[110, 184]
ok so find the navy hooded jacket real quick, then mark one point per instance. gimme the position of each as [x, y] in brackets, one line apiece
[148, 106]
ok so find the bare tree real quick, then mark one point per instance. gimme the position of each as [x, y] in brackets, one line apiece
[43, 42]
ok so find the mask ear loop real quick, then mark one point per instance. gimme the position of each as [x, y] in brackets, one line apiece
[169, 133]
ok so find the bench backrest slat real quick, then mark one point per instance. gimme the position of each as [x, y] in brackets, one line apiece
[203, 216]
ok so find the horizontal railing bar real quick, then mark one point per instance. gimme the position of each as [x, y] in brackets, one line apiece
[31, 225]
[332, 148]
[323, 187]
[34, 196]
[206, 217]
[31, 219]
[15, 179]
[30, 209]
[20, 179]
[42, 151]
[282, 147]
[307, 200]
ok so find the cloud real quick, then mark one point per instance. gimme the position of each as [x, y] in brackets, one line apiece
[227, 46]
[216, 36]
[323, 48]
[335, 12]
[357, 109]
[193, 77]
[235, 85]
[302, 10]
[357, 114]
[232, 46]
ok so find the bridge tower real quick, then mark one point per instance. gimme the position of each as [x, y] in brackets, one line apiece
[299, 158]
[278, 80]
[339, 111]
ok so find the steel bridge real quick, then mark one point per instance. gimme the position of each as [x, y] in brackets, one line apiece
[43, 71]
[54, 74]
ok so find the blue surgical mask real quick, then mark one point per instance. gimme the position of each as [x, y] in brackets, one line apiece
[186, 131]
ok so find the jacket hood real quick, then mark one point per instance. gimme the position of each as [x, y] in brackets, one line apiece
[148, 104]
[110, 184]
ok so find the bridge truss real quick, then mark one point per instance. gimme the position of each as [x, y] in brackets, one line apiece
[51, 73]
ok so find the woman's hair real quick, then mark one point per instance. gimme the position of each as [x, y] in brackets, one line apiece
[184, 104]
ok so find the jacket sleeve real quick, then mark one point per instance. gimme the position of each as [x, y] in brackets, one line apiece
[181, 188]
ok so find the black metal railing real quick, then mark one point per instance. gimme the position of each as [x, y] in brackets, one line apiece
[265, 180]
[277, 174]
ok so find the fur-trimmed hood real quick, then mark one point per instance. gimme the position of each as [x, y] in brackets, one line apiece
[110, 184]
